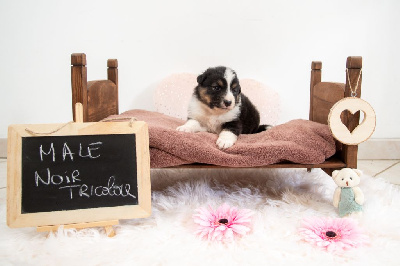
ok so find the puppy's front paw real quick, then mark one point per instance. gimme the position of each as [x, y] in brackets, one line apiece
[191, 126]
[226, 139]
[185, 128]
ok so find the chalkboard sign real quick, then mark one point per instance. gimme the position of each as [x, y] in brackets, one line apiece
[85, 172]
[78, 172]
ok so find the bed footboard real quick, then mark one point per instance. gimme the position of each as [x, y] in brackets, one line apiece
[323, 95]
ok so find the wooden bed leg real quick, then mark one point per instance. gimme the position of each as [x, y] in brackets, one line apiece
[328, 171]
[349, 155]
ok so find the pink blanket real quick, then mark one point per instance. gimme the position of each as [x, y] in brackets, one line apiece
[298, 141]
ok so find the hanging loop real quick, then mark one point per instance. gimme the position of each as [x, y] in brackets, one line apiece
[353, 90]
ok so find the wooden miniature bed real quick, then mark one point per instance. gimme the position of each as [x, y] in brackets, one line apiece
[100, 100]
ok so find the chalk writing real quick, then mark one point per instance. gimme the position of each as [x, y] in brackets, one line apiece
[47, 153]
[84, 152]
[70, 172]
[112, 189]
[52, 179]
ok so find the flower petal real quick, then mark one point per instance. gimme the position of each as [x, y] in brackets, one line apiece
[240, 229]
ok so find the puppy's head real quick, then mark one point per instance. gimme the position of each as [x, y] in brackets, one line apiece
[218, 87]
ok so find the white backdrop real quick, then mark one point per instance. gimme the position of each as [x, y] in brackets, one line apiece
[271, 41]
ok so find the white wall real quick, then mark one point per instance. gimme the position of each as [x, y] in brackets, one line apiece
[271, 41]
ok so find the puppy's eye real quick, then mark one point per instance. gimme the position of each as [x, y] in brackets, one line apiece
[216, 88]
[235, 90]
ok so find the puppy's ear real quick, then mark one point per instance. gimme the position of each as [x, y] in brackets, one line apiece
[201, 78]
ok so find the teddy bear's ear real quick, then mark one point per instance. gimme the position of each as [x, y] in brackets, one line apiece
[335, 173]
[358, 172]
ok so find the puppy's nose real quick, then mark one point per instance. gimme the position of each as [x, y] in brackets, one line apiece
[227, 103]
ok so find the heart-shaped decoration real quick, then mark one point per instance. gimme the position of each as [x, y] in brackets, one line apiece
[359, 115]
[362, 132]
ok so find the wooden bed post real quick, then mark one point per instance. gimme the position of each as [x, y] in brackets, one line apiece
[112, 75]
[316, 67]
[354, 67]
[79, 83]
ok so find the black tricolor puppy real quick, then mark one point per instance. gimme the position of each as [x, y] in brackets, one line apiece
[218, 106]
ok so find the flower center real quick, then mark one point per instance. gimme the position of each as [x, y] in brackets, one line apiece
[330, 234]
[223, 221]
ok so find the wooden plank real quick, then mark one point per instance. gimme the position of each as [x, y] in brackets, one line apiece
[325, 95]
[329, 163]
[102, 100]
[77, 225]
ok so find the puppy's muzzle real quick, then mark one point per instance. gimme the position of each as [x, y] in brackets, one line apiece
[227, 103]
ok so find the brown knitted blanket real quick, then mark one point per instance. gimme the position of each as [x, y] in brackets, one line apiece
[298, 141]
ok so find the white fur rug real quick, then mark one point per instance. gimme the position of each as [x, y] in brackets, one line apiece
[279, 198]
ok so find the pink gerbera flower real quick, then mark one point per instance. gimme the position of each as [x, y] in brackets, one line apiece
[334, 235]
[222, 224]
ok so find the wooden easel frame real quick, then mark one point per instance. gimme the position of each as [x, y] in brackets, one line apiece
[79, 218]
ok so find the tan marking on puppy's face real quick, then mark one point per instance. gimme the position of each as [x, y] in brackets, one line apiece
[234, 85]
[217, 83]
[204, 95]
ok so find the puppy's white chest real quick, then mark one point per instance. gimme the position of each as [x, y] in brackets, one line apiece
[214, 123]
[212, 119]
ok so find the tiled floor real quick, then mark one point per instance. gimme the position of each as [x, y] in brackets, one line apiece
[3, 173]
[387, 169]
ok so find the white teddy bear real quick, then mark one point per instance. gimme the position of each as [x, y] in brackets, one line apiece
[348, 197]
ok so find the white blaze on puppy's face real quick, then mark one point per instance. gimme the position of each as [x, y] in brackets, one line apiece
[229, 75]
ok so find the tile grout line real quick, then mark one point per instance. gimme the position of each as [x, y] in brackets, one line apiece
[375, 175]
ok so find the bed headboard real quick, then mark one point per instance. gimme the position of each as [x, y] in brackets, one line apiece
[99, 97]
